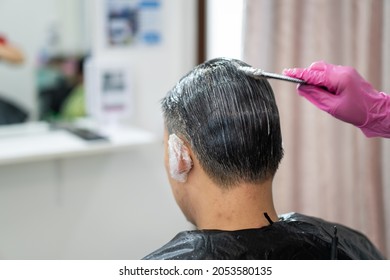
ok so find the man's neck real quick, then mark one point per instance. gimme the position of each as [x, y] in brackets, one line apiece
[241, 207]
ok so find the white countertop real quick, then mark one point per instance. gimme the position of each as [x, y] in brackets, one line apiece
[38, 141]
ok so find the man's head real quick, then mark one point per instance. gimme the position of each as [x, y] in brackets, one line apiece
[229, 120]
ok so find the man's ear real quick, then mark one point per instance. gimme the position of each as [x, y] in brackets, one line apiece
[180, 162]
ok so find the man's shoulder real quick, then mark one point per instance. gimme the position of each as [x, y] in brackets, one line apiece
[256, 243]
[185, 245]
[294, 236]
[351, 243]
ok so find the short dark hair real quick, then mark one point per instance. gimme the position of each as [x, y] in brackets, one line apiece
[230, 120]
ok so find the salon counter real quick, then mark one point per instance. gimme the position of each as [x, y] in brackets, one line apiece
[65, 198]
[39, 141]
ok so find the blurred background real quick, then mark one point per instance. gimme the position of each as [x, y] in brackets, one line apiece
[81, 155]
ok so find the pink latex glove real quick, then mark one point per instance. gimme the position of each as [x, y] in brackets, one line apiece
[343, 93]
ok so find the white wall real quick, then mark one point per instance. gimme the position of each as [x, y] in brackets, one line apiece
[156, 69]
[225, 26]
[109, 206]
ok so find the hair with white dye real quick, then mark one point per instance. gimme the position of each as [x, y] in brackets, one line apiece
[229, 119]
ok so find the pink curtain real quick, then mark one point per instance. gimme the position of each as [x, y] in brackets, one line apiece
[330, 170]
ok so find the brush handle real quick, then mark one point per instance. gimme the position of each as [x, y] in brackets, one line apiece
[282, 77]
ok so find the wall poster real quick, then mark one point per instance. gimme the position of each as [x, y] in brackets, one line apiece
[133, 22]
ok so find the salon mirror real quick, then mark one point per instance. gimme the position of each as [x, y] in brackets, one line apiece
[53, 36]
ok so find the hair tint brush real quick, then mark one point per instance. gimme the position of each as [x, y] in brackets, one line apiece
[259, 73]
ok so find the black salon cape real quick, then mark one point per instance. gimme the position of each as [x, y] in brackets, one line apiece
[294, 236]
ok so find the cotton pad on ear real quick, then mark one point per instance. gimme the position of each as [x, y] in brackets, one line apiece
[180, 162]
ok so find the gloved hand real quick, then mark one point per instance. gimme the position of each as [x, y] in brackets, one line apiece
[343, 93]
